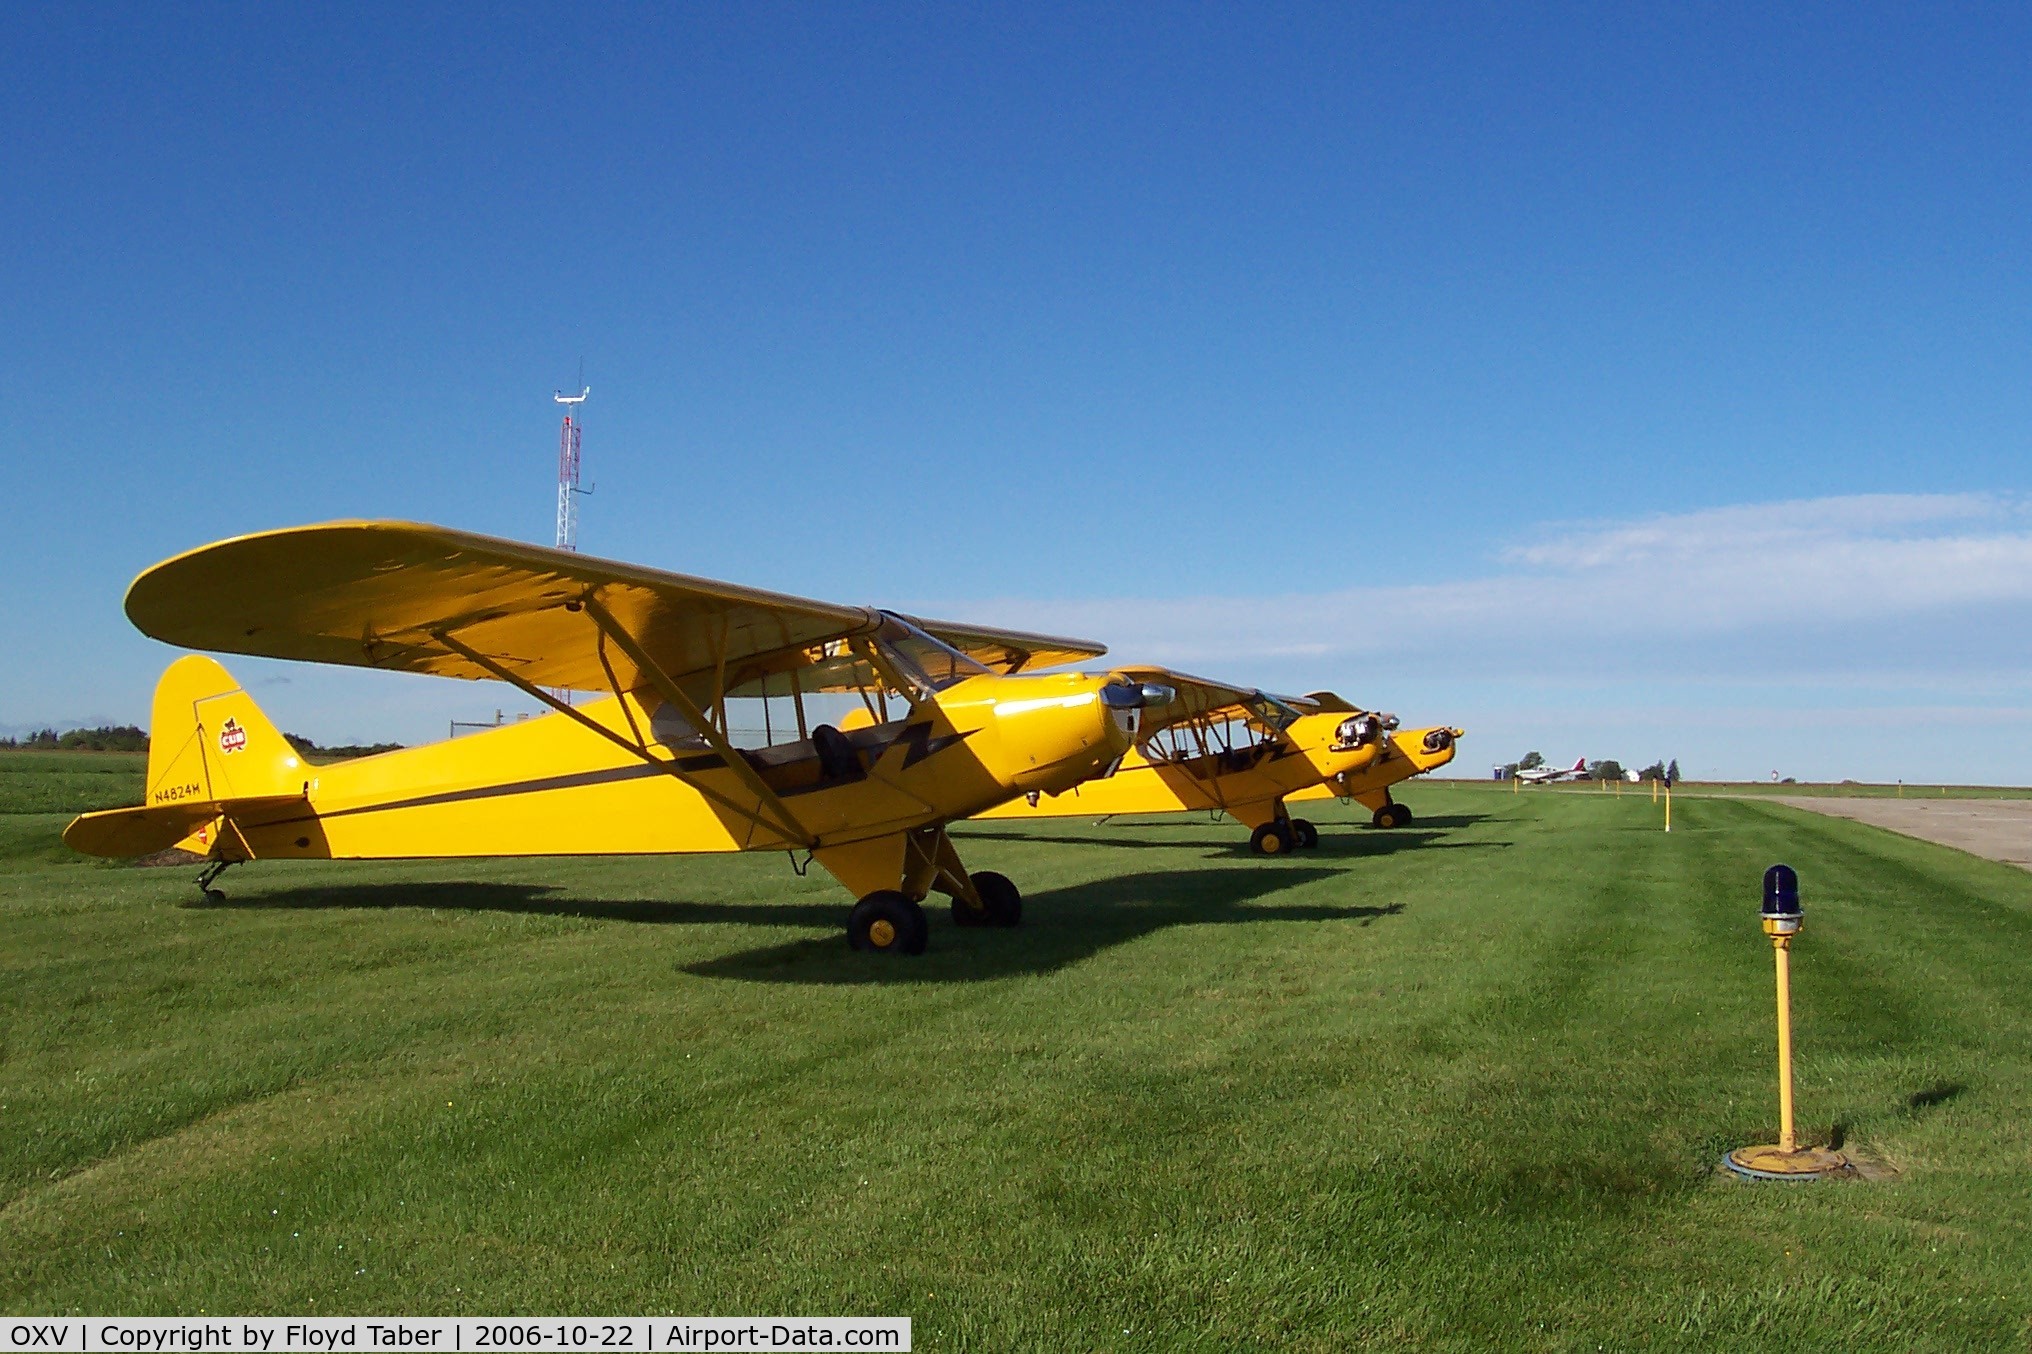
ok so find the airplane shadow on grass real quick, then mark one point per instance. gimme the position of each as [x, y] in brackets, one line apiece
[541, 900]
[1060, 926]
[1225, 842]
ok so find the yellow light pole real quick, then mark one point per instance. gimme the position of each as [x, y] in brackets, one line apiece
[1785, 1159]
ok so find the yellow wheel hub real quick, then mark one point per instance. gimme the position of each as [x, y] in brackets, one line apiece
[1272, 843]
[882, 934]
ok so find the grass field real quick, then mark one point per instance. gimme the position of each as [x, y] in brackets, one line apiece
[1457, 1087]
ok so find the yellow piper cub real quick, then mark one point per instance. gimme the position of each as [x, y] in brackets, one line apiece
[1248, 754]
[946, 728]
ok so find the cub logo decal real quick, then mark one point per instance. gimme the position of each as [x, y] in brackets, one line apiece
[231, 736]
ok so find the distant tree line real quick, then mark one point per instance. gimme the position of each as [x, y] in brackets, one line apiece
[341, 752]
[127, 738]
[112, 738]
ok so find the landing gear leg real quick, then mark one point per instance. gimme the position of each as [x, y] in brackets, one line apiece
[211, 872]
[894, 874]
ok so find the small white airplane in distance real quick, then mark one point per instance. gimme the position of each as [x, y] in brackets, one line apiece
[1545, 775]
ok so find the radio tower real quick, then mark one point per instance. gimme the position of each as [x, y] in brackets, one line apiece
[568, 490]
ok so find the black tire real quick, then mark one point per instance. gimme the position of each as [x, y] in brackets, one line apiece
[886, 922]
[1391, 815]
[1271, 839]
[1005, 903]
[1303, 834]
[1404, 815]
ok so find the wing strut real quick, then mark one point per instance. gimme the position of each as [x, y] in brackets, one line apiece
[786, 823]
[494, 669]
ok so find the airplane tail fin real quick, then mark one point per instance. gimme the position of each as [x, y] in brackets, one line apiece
[1580, 764]
[209, 745]
[208, 740]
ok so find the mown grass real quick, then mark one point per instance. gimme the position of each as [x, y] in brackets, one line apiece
[1457, 1087]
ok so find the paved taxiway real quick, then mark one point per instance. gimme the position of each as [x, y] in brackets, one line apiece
[2000, 829]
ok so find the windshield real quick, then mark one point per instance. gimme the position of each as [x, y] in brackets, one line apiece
[1273, 712]
[937, 663]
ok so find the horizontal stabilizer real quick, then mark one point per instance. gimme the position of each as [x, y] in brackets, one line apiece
[126, 833]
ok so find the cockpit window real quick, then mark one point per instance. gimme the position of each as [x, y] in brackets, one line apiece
[922, 656]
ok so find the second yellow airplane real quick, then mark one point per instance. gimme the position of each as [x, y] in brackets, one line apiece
[1249, 754]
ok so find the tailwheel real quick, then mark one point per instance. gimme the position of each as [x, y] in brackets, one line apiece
[1303, 834]
[886, 922]
[1392, 815]
[1271, 839]
[205, 878]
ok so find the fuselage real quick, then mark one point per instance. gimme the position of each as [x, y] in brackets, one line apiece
[1245, 782]
[551, 786]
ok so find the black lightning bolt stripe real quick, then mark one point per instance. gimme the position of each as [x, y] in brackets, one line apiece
[919, 744]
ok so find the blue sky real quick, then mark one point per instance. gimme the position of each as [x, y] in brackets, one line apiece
[1605, 381]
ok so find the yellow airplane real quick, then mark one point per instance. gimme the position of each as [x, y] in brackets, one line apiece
[946, 725]
[1248, 754]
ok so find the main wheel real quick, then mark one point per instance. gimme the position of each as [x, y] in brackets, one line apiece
[887, 923]
[1391, 815]
[1005, 904]
[1271, 839]
[1303, 834]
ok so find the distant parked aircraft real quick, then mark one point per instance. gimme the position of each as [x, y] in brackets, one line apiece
[1545, 775]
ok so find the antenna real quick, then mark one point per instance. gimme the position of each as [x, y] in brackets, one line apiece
[568, 468]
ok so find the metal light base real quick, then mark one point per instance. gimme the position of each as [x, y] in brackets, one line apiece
[1775, 1163]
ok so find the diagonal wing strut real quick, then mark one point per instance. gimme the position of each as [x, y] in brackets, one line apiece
[789, 829]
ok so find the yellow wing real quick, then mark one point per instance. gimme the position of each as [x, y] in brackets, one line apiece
[387, 594]
[1009, 651]
[1200, 698]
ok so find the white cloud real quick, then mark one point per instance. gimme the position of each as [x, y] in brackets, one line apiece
[1848, 564]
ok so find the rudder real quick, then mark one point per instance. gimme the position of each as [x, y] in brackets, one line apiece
[208, 740]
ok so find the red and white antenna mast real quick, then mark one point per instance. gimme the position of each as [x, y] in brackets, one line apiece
[568, 490]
